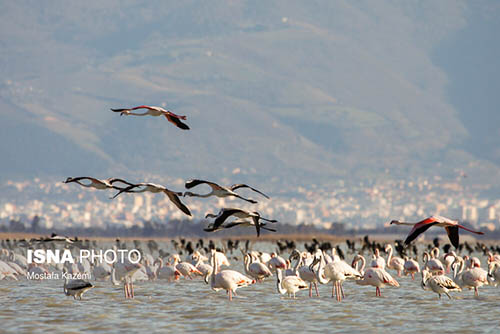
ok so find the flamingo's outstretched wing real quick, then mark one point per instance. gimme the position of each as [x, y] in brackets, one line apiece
[75, 179]
[128, 189]
[175, 119]
[418, 229]
[453, 235]
[224, 214]
[174, 197]
[122, 111]
[193, 183]
[241, 185]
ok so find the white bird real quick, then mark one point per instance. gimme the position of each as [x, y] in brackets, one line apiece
[255, 269]
[75, 287]
[97, 183]
[432, 263]
[494, 272]
[375, 276]
[225, 213]
[220, 191]
[438, 283]
[185, 268]
[227, 279]
[155, 111]
[336, 271]
[378, 261]
[276, 262]
[167, 271]
[475, 277]
[394, 262]
[448, 260]
[289, 284]
[156, 188]
[8, 271]
[411, 267]
[493, 257]
[124, 272]
[306, 272]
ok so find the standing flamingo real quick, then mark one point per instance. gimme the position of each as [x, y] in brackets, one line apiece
[227, 279]
[394, 262]
[411, 267]
[336, 271]
[378, 259]
[256, 269]
[75, 287]
[125, 271]
[375, 276]
[475, 277]
[156, 111]
[451, 227]
[289, 284]
[432, 263]
[439, 283]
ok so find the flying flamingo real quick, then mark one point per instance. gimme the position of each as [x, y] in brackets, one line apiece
[156, 111]
[249, 223]
[375, 276]
[155, 188]
[227, 279]
[225, 213]
[451, 227]
[220, 191]
[97, 183]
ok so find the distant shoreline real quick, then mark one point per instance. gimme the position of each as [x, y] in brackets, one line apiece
[379, 237]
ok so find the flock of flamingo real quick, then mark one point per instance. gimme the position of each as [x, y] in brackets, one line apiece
[311, 267]
[292, 269]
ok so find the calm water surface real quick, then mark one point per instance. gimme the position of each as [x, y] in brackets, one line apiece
[191, 306]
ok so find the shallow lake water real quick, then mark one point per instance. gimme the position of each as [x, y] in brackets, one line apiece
[191, 306]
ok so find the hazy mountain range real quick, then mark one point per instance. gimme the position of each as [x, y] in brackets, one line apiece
[274, 91]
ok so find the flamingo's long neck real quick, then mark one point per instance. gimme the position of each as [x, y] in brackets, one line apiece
[138, 114]
[247, 261]
[279, 279]
[403, 223]
[200, 195]
[214, 270]
[113, 277]
[467, 229]
[389, 257]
